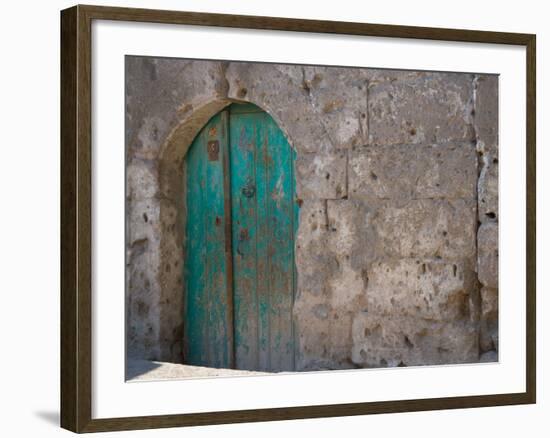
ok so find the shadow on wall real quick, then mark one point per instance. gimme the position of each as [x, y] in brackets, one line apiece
[136, 368]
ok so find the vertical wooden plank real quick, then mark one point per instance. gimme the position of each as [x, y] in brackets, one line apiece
[228, 221]
[218, 345]
[263, 248]
[195, 261]
[296, 204]
[244, 238]
[263, 288]
[208, 310]
[280, 243]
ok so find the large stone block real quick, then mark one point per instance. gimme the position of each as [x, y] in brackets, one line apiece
[321, 176]
[281, 90]
[313, 345]
[141, 179]
[488, 190]
[489, 303]
[329, 292]
[143, 319]
[150, 135]
[312, 221]
[488, 338]
[487, 258]
[314, 263]
[143, 290]
[154, 273]
[319, 108]
[381, 341]
[363, 231]
[348, 288]
[325, 340]
[414, 172]
[427, 228]
[351, 233]
[160, 92]
[339, 97]
[143, 221]
[430, 289]
[314, 323]
[420, 107]
[486, 112]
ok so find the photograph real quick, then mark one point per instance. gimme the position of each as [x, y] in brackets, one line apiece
[274, 219]
[286, 218]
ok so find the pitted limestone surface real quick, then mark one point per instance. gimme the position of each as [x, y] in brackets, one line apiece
[396, 174]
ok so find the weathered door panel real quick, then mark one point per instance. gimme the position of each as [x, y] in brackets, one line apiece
[244, 233]
[249, 315]
[208, 308]
[263, 241]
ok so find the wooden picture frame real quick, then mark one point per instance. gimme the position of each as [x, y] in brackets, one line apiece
[76, 217]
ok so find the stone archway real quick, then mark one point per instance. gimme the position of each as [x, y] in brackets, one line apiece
[172, 216]
[172, 222]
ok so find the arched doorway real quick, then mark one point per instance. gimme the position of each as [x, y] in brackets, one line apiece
[242, 217]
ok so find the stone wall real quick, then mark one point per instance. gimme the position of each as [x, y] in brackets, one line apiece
[397, 176]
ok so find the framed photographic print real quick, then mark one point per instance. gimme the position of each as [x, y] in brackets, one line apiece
[268, 218]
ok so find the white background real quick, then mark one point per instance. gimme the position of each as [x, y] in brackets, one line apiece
[30, 216]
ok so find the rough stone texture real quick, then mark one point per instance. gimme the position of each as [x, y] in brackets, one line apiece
[160, 93]
[142, 179]
[420, 107]
[310, 251]
[352, 236]
[486, 113]
[489, 319]
[382, 340]
[416, 228]
[488, 189]
[412, 171]
[429, 289]
[329, 293]
[427, 228]
[142, 300]
[487, 260]
[486, 127]
[393, 171]
[303, 101]
[321, 176]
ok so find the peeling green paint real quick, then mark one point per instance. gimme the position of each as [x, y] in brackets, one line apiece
[248, 323]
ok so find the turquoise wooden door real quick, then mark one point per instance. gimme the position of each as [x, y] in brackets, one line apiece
[241, 222]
